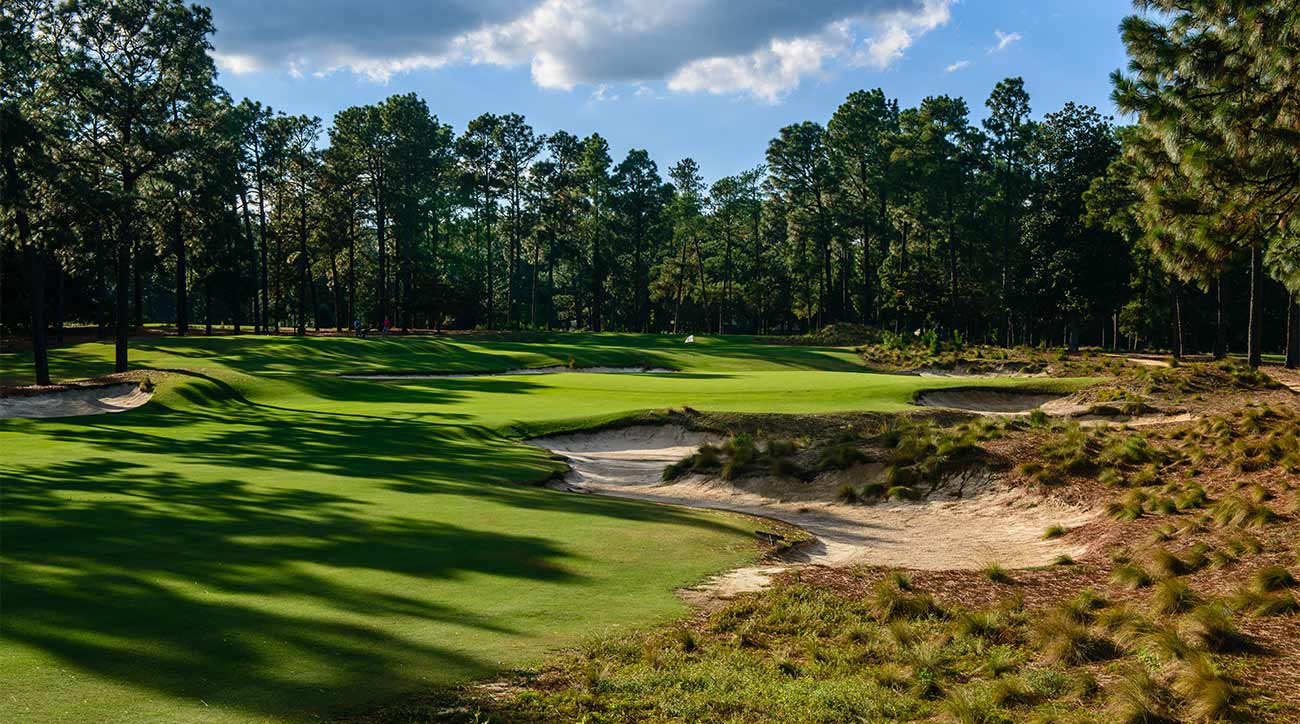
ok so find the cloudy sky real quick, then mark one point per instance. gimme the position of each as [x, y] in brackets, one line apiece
[710, 79]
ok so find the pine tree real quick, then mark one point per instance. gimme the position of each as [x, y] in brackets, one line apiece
[1214, 85]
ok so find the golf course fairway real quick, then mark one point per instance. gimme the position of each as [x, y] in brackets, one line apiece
[267, 541]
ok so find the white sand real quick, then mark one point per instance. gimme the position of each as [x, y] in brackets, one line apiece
[510, 373]
[970, 522]
[1147, 361]
[76, 401]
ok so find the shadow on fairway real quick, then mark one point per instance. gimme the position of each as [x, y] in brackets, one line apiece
[150, 579]
[310, 357]
[128, 564]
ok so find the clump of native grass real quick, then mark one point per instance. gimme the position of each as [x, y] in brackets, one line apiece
[736, 456]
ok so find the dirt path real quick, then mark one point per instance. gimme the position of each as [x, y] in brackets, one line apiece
[973, 521]
[70, 402]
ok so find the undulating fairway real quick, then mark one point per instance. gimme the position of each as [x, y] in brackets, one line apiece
[266, 541]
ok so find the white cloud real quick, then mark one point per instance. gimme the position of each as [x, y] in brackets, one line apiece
[765, 74]
[900, 29]
[763, 48]
[237, 63]
[954, 67]
[603, 93]
[1004, 39]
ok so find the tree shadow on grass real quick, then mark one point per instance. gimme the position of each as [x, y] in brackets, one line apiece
[161, 582]
[130, 553]
[418, 456]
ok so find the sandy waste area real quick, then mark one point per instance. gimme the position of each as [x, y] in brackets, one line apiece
[967, 522]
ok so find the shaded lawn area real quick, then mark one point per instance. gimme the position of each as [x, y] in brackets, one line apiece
[288, 545]
[261, 354]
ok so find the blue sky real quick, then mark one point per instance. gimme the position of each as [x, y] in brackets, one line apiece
[709, 79]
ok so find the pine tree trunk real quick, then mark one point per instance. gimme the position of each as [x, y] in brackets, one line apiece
[122, 308]
[597, 283]
[59, 303]
[1177, 344]
[704, 290]
[866, 271]
[315, 305]
[491, 290]
[277, 299]
[550, 280]
[252, 256]
[1255, 325]
[261, 217]
[336, 292]
[1293, 333]
[101, 302]
[182, 300]
[36, 270]
[352, 269]
[1220, 323]
[302, 264]
[532, 305]
[137, 275]
[725, 303]
[681, 280]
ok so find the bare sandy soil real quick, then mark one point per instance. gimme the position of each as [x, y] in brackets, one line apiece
[986, 401]
[524, 371]
[970, 521]
[1001, 403]
[74, 401]
[1144, 360]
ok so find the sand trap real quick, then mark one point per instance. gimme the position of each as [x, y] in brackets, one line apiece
[986, 523]
[1003, 402]
[1149, 361]
[510, 373]
[1087, 415]
[75, 401]
[966, 371]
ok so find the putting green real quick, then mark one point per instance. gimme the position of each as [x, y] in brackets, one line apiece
[266, 541]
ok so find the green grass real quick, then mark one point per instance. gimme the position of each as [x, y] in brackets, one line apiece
[265, 541]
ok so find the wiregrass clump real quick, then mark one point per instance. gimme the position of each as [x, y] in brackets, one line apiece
[736, 456]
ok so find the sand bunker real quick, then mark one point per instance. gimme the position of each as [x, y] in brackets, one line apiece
[75, 401]
[988, 401]
[509, 373]
[986, 523]
[978, 371]
[1092, 415]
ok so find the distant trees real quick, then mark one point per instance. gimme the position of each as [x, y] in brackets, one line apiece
[862, 135]
[134, 185]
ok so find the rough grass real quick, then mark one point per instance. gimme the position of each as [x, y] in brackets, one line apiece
[800, 653]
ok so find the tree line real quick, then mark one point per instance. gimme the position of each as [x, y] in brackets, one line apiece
[137, 190]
